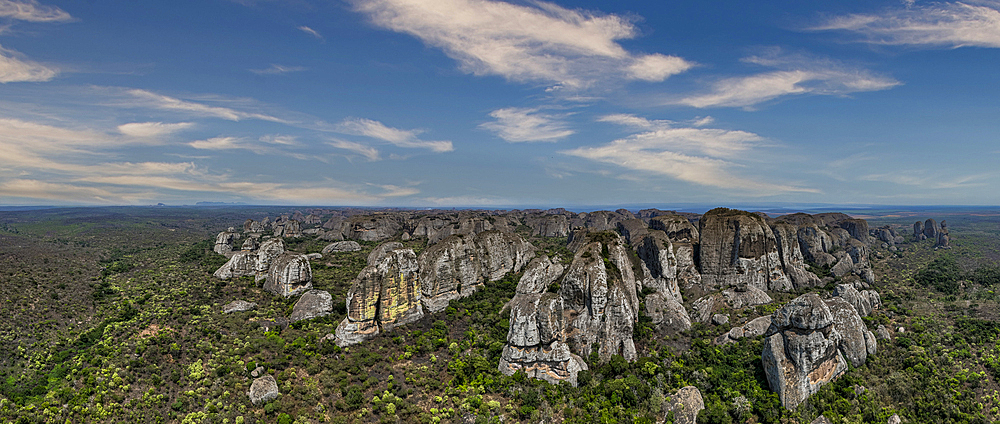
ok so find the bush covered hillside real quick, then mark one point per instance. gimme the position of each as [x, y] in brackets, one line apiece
[115, 315]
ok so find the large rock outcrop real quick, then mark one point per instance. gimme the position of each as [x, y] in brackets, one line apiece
[536, 341]
[684, 238]
[599, 292]
[801, 354]
[224, 242]
[384, 295]
[738, 247]
[792, 259]
[810, 342]
[254, 263]
[458, 265]
[289, 274]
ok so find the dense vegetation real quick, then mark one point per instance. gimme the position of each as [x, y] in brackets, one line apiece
[114, 317]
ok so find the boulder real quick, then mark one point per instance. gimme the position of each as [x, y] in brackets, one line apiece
[288, 275]
[745, 296]
[882, 333]
[633, 229]
[269, 251]
[686, 403]
[918, 230]
[548, 225]
[251, 226]
[814, 244]
[800, 354]
[863, 301]
[703, 308]
[385, 294]
[820, 420]
[290, 228]
[720, 319]
[894, 419]
[677, 228]
[238, 306]
[372, 228]
[342, 246]
[667, 314]
[857, 228]
[756, 327]
[737, 248]
[792, 259]
[931, 229]
[263, 389]
[240, 264]
[249, 244]
[312, 304]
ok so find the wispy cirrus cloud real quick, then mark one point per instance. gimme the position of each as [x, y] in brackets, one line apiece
[533, 42]
[311, 32]
[276, 69]
[152, 129]
[795, 75]
[15, 68]
[395, 136]
[527, 124]
[362, 149]
[163, 102]
[939, 24]
[32, 11]
[703, 156]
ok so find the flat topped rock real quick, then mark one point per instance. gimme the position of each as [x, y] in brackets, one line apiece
[342, 246]
[263, 389]
[238, 306]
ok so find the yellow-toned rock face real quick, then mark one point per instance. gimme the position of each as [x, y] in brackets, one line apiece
[385, 294]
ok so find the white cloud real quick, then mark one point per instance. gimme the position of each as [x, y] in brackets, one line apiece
[275, 69]
[799, 75]
[702, 156]
[15, 69]
[224, 143]
[395, 136]
[949, 24]
[152, 129]
[536, 42]
[939, 182]
[311, 32]
[32, 11]
[159, 101]
[524, 124]
[367, 151]
[284, 140]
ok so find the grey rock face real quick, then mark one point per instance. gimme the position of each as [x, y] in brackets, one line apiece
[815, 243]
[667, 313]
[288, 275]
[864, 301]
[269, 251]
[894, 419]
[854, 337]
[536, 342]
[549, 225]
[603, 301]
[882, 333]
[801, 355]
[456, 266]
[224, 242]
[857, 228]
[745, 296]
[739, 248]
[792, 259]
[240, 264]
[756, 327]
[658, 262]
[372, 228]
[539, 274]
[263, 390]
[931, 229]
[312, 304]
[385, 294]
[290, 228]
[633, 229]
[249, 244]
[342, 246]
[238, 306]
[720, 319]
[686, 403]
[251, 226]
[703, 308]
[918, 230]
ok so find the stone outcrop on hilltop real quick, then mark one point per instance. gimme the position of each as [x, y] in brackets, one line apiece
[810, 342]
[250, 262]
[739, 248]
[385, 294]
[684, 238]
[341, 246]
[289, 274]
[943, 238]
[792, 259]
[225, 241]
[596, 305]
[549, 225]
[458, 265]
[931, 229]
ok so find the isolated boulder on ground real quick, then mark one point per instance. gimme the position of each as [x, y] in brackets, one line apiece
[238, 306]
[312, 304]
[263, 389]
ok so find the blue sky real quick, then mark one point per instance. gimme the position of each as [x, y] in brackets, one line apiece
[430, 103]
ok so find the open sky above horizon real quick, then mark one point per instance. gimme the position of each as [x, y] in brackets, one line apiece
[499, 103]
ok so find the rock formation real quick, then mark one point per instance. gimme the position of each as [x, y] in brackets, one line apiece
[238, 306]
[739, 248]
[458, 265]
[225, 240]
[289, 274]
[790, 253]
[385, 294]
[943, 238]
[536, 342]
[918, 231]
[800, 355]
[856, 342]
[686, 403]
[372, 228]
[312, 304]
[342, 246]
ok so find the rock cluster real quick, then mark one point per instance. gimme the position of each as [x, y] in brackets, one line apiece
[289, 274]
[225, 241]
[385, 294]
[810, 342]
